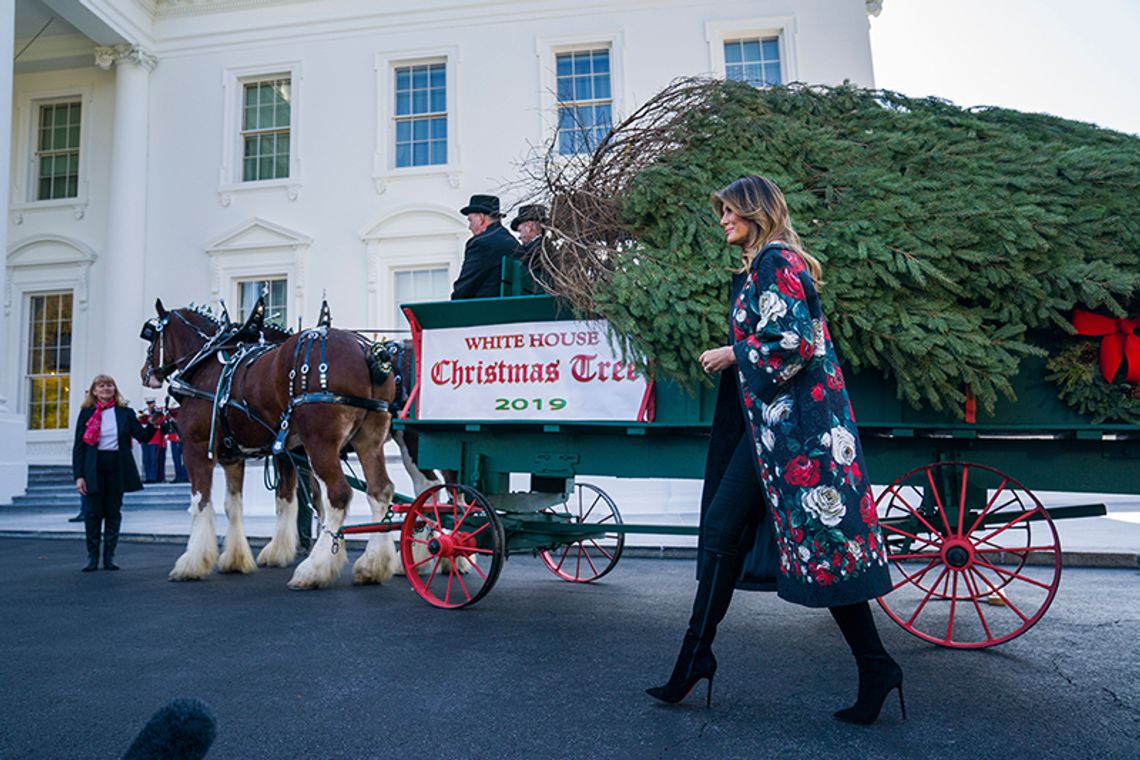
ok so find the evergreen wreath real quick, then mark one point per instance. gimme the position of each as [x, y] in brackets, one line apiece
[1080, 375]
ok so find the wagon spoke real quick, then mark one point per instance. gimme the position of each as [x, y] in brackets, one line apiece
[953, 610]
[937, 500]
[902, 532]
[974, 594]
[1016, 550]
[1008, 602]
[565, 552]
[962, 502]
[913, 578]
[926, 598]
[459, 577]
[915, 555]
[450, 575]
[1012, 523]
[986, 510]
[590, 510]
[599, 547]
[479, 570]
[1012, 575]
[423, 561]
[431, 576]
[582, 551]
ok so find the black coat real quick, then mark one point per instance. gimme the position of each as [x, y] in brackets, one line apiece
[483, 263]
[83, 455]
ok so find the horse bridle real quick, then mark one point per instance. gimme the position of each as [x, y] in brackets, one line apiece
[155, 329]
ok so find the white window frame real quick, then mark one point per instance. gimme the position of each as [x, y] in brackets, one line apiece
[384, 167]
[546, 49]
[410, 237]
[783, 28]
[233, 97]
[24, 180]
[259, 250]
[38, 265]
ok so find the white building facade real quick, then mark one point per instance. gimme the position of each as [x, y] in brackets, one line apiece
[197, 150]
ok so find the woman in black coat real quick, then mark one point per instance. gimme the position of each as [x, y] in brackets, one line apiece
[102, 465]
[787, 499]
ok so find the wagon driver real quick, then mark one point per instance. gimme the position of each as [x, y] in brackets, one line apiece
[490, 243]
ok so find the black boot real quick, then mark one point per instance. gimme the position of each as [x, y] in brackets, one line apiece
[696, 660]
[92, 527]
[111, 542]
[879, 675]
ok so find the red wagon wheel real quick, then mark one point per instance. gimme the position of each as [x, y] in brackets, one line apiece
[452, 546]
[975, 557]
[592, 556]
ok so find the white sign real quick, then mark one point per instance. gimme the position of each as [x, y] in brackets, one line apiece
[536, 371]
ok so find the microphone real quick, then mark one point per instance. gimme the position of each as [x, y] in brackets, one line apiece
[182, 729]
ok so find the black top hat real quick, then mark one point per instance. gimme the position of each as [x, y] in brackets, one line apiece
[535, 213]
[483, 204]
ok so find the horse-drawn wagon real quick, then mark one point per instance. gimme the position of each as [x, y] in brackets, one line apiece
[975, 554]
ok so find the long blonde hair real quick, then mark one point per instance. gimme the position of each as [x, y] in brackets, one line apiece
[89, 400]
[758, 200]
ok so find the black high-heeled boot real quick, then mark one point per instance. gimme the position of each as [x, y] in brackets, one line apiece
[696, 661]
[93, 530]
[879, 675]
[111, 542]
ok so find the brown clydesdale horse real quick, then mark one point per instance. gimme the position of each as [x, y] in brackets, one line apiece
[188, 348]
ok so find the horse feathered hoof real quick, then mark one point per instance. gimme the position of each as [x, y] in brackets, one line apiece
[236, 562]
[192, 567]
[275, 554]
[321, 569]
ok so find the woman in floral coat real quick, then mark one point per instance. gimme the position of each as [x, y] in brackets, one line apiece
[787, 499]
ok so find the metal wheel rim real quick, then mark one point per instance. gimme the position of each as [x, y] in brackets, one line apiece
[586, 560]
[962, 564]
[430, 528]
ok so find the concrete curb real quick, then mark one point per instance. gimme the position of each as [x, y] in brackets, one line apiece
[1120, 560]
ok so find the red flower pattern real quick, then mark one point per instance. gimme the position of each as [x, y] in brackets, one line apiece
[802, 471]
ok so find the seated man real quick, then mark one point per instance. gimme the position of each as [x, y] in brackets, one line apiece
[489, 245]
[530, 224]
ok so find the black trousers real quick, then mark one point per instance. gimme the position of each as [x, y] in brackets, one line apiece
[738, 505]
[105, 505]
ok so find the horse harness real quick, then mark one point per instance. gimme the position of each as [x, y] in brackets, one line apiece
[243, 356]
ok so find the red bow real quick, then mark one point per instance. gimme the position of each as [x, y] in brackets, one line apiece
[1118, 344]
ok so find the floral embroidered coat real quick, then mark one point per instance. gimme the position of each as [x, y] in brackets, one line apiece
[820, 513]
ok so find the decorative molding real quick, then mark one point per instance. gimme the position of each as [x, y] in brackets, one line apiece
[43, 252]
[107, 56]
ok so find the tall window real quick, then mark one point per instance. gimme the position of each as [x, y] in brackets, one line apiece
[265, 128]
[421, 114]
[49, 361]
[276, 305]
[585, 99]
[57, 151]
[416, 285]
[756, 61]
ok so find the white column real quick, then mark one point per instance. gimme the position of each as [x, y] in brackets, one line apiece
[124, 258]
[13, 426]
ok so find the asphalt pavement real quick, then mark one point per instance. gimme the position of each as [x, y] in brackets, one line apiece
[539, 668]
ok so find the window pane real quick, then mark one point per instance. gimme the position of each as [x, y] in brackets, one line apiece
[439, 153]
[420, 129]
[439, 129]
[732, 52]
[403, 79]
[403, 155]
[403, 103]
[438, 101]
[772, 73]
[419, 154]
[771, 49]
[563, 64]
[49, 360]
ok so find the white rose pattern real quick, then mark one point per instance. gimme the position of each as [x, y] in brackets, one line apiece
[825, 504]
[770, 306]
[842, 445]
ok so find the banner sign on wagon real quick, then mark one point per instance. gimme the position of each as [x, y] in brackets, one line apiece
[535, 371]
